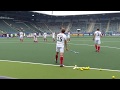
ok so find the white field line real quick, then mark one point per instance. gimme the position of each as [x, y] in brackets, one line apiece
[93, 45]
[84, 45]
[6, 77]
[52, 65]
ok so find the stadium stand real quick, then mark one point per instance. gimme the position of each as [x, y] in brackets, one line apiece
[14, 21]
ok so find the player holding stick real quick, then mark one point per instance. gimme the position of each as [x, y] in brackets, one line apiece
[96, 37]
[21, 35]
[53, 36]
[45, 36]
[35, 37]
[68, 36]
[61, 43]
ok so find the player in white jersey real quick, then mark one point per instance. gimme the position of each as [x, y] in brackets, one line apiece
[68, 36]
[45, 36]
[61, 43]
[35, 37]
[21, 34]
[7, 35]
[53, 36]
[97, 41]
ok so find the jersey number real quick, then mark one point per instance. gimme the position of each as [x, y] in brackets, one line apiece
[98, 34]
[59, 39]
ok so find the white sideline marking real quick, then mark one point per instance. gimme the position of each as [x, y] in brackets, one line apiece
[83, 44]
[6, 77]
[91, 40]
[68, 43]
[53, 65]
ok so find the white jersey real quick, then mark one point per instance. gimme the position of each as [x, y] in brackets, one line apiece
[61, 37]
[35, 34]
[11, 35]
[53, 35]
[7, 35]
[97, 35]
[21, 34]
[68, 35]
[44, 35]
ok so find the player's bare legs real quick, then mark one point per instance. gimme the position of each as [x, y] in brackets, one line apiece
[45, 39]
[53, 40]
[56, 56]
[98, 48]
[21, 40]
[68, 39]
[36, 41]
[61, 60]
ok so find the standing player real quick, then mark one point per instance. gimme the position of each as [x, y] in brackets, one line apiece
[35, 37]
[7, 35]
[96, 37]
[68, 36]
[21, 34]
[45, 36]
[61, 43]
[53, 36]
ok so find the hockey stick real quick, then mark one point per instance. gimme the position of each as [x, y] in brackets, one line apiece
[74, 51]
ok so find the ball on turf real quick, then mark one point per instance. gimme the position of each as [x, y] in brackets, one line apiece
[81, 69]
[113, 77]
[88, 67]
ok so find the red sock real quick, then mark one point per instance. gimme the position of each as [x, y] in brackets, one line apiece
[96, 47]
[61, 60]
[56, 57]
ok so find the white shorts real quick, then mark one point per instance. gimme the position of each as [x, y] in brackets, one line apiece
[44, 36]
[68, 37]
[53, 37]
[35, 38]
[60, 49]
[21, 37]
[97, 42]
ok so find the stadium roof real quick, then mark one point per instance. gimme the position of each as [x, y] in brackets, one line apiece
[66, 13]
